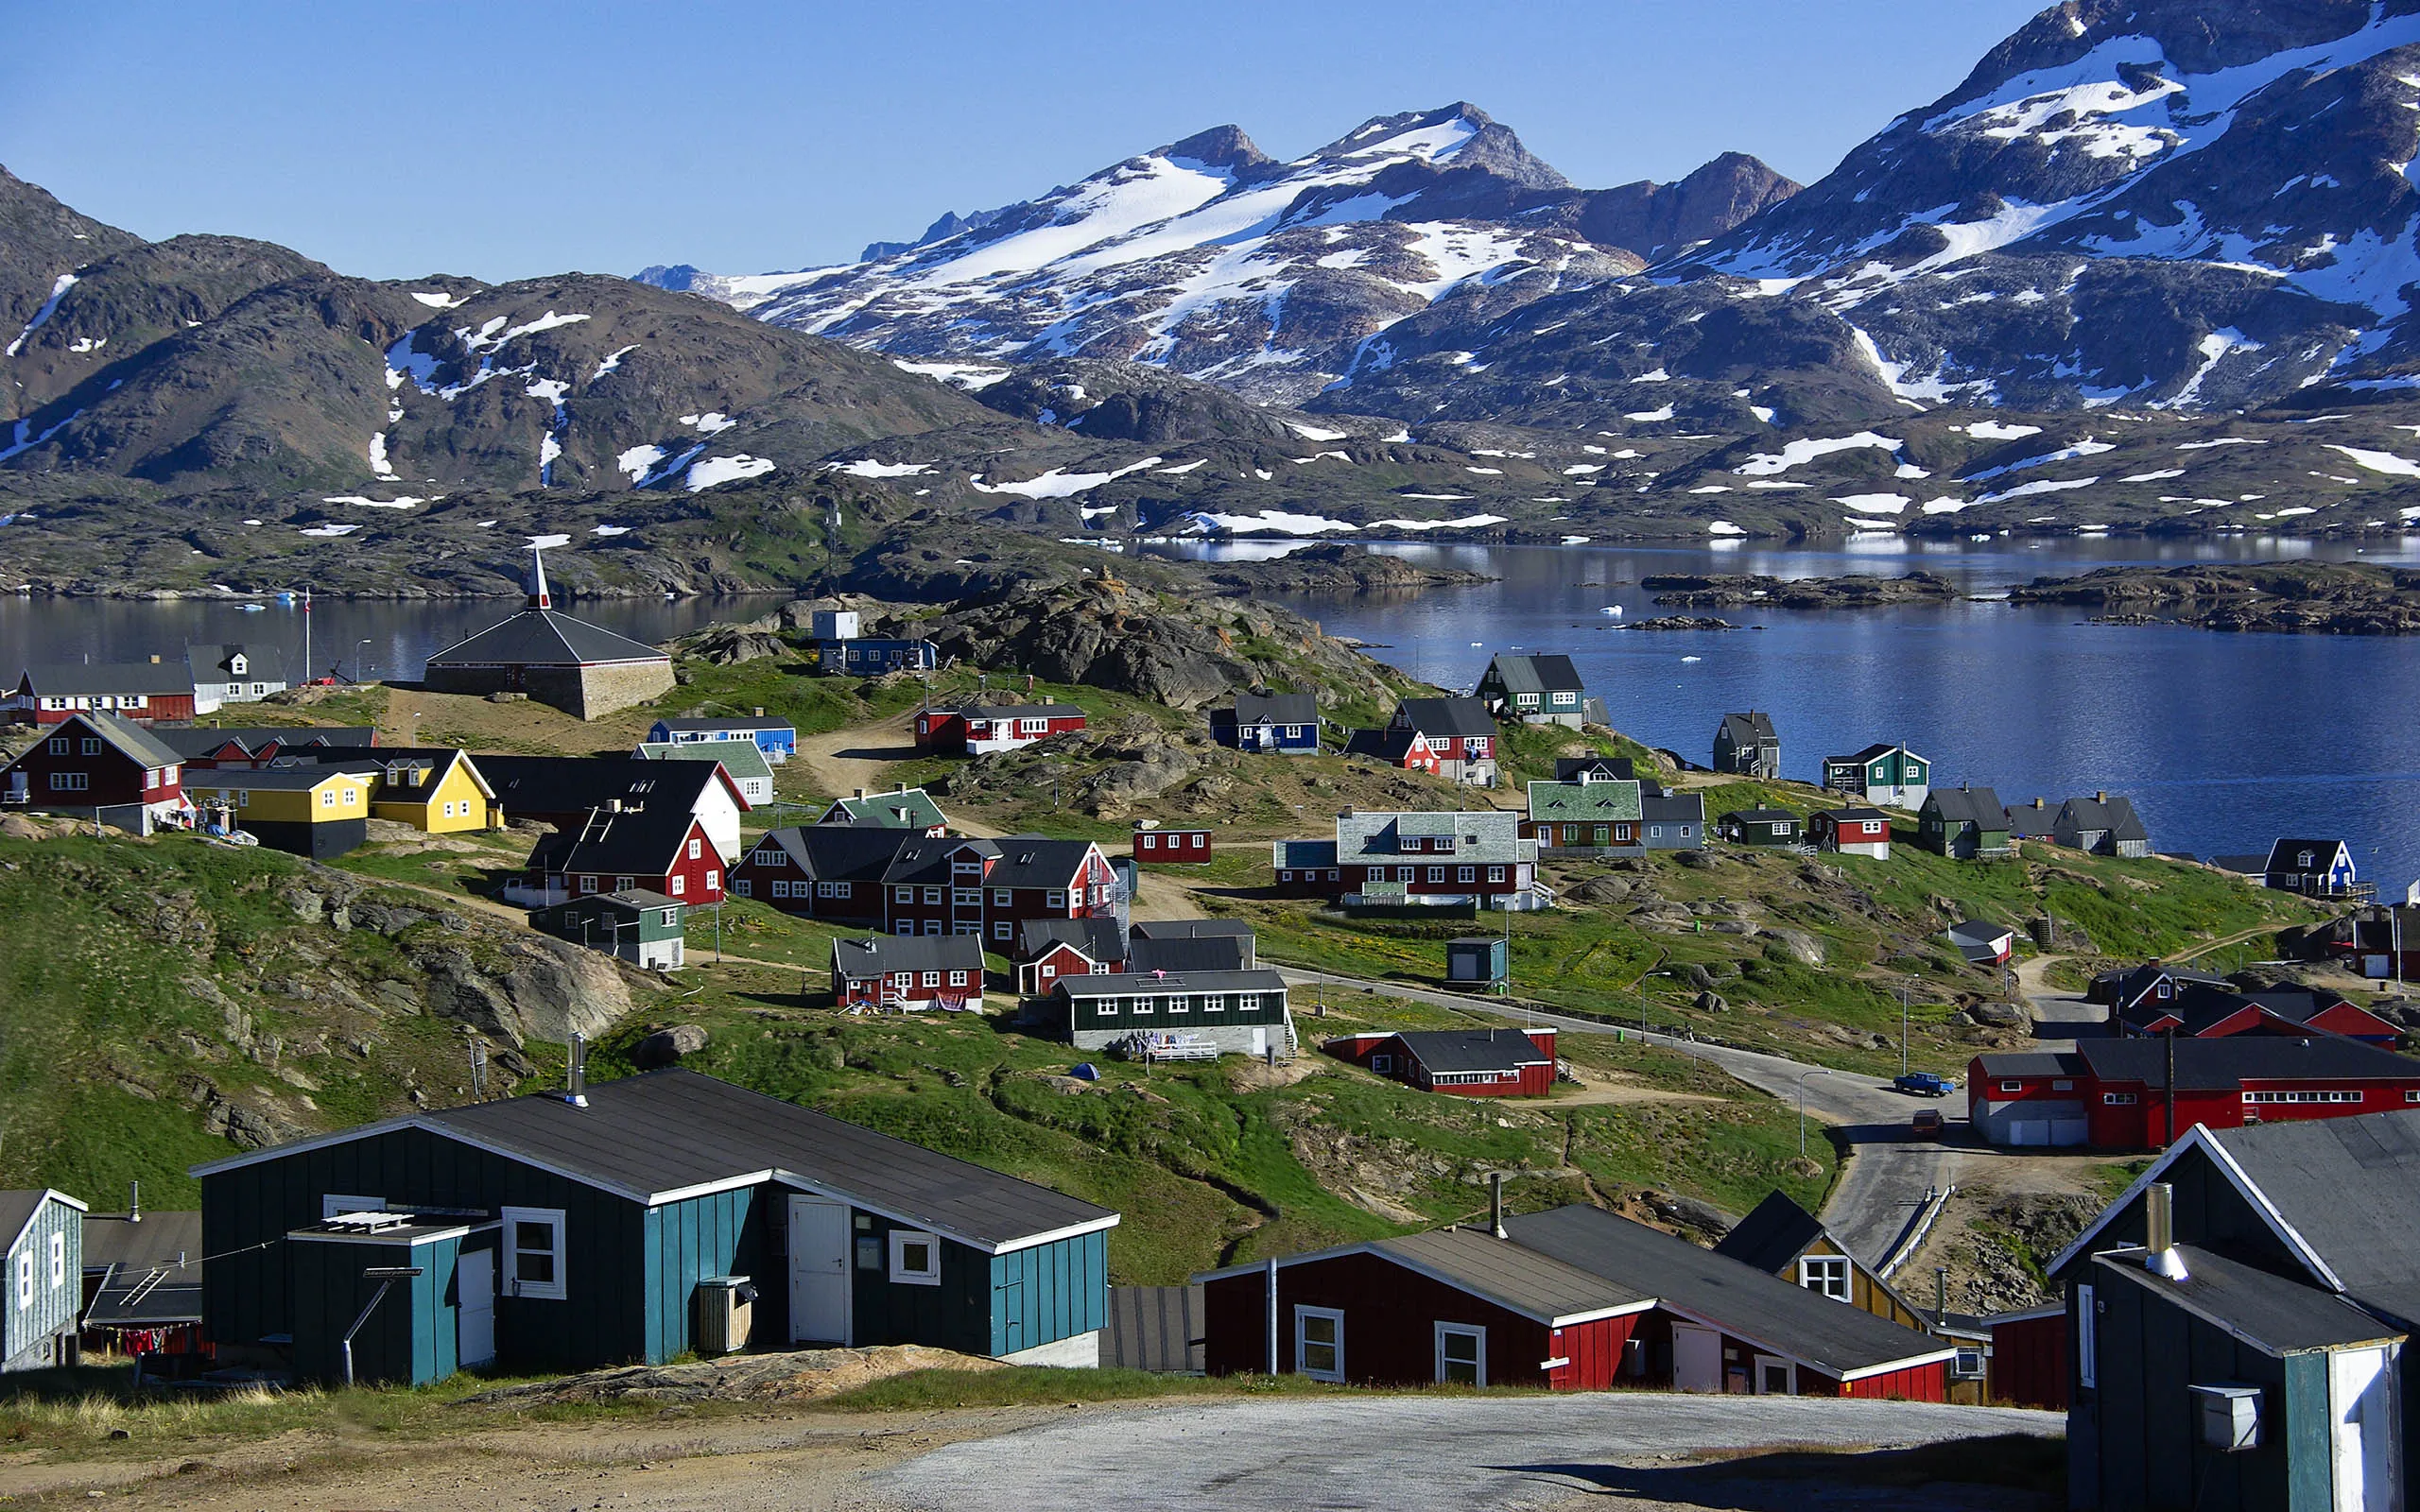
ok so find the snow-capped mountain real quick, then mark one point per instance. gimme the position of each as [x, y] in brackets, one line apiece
[1211, 259]
[2169, 202]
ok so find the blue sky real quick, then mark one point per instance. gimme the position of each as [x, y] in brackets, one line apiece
[518, 137]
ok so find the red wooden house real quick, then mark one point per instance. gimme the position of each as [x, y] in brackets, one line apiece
[2112, 1094]
[1574, 1300]
[140, 691]
[976, 729]
[2204, 1012]
[98, 765]
[663, 850]
[1405, 859]
[888, 973]
[212, 746]
[1170, 846]
[960, 886]
[1453, 738]
[1462, 1063]
[1048, 949]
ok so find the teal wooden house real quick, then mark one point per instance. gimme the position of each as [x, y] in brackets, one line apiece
[45, 1277]
[572, 1231]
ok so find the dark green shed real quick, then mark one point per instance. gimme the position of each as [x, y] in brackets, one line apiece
[603, 1217]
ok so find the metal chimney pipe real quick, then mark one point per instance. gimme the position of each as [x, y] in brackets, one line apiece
[1495, 1204]
[2159, 1217]
[135, 1202]
[577, 1092]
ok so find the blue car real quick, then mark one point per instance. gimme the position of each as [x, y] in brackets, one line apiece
[1924, 1084]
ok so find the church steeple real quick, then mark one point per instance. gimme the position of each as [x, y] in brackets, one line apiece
[538, 598]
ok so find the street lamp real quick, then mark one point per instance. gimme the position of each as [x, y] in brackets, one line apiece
[359, 662]
[1802, 1107]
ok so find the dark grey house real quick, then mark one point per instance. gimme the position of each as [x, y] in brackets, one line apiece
[1286, 723]
[1182, 1015]
[2239, 1323]
[1670, 820]
[1536, 690]
[565, 1231]
[1746, 745]
[2102, 824]
[1763, 827]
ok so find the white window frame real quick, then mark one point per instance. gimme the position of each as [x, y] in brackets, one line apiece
[1764, 1362]
[1475, 1331]
[556, 1290]
[2087, 1339]
[1816, 1273]
[902, 1273]
[58, 1261]
[1335, 1374]
[24, 1278]
[334, 1204]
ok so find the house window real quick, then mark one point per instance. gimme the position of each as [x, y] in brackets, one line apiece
[1403, 873]
[2012, 1086]
[621, 884]
[1001, 897]
[905, 926]
[966, 896]
[902, 895]
[1151, 842]
[673, 916]
[1461, 1354]
[1001, 929]
[696, 849]
[92, 748]
[58, 1261]
[1828, 1274]
[932, 927]
[1284, 876]
[915, 1258]
[59, 746]
[2117, 1099]
[1496, 873]
[932, 979]
[26, 1278]
[589, 884]
[958, 978]
[932, 895]
[1057, 898]
[680, 885]
[69, 782]
[781, 889]
[1319, 1343]
[352, 795]
[1248, 1003]
[746, 890]
[1466, 874]
[1436, 874]
[2087, 1340]
[533, 1252]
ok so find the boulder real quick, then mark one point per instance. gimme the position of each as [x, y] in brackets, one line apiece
[1603, 890]
[1711, 1003]
[2000, 1016]
[666, 1046]
[1797, 945]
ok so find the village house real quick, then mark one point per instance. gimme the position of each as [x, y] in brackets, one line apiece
[775, 739]
[1158, 844]
[988, 887]
[2315, 868]
[1745, 746]
[315, 811]
[741, 761]
[1452, 738]
[1048, 949]
[1605, 768]
[2110, 1094]
[903, 808]
[2236, 1328]
[546, 655]
[563, 791]
[2103, 825]
[1177, 1015]
[977, 730]
[1671, 820]
[648, 929]
[660, 848]
[1389, 859]
[1885, 776]
[1589, 816]
[222, 675]
[567, 1232]
[434, 789]
[2150, 985]
[2204, 1012]
[901, 975]
[100, 766]
[1459, 1063]
[1853, 829]
[843, 649]
[138, 691]
[240, 746]
[827, 871]
[1571, 1299]
[1763, 827]
[1981, 942]
[1287, 724]
[1536, 690]
[44, 1263]
[1965, 824]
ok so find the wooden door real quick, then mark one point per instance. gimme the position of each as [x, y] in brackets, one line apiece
[819, 1243]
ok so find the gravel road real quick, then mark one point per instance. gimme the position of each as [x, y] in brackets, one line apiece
[1428, 1454]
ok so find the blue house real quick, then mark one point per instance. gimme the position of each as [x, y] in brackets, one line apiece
[1286, 723]
[603, 1225]
[775, 738]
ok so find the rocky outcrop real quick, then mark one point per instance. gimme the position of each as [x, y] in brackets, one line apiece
[1334, 568]
[2317, 598]
[1701, 591]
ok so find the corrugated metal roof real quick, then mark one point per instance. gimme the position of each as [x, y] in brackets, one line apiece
[53, 680]
[1445, 717]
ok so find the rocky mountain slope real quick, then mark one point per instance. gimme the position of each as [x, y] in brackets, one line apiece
[1211, 259]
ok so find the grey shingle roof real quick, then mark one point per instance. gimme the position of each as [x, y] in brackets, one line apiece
[1536, 674]
[1749, 729]
[1742, 1300]
[1665, 806]
[1099, 938]
[1978, 806]
[740, 758]
[1035, 861]
[1212, 953]
[1439, 717]
[1276, 709]
[2116, 814]
[1484, 837]
[1457, 1050]
[2279, 1314]
[209, 663]
[913, 808]
[2350, 1187]
[544, 636]
[59, 679]
[1192, 929]
[1583, 802]
[876, 953]
[839, 852]
[127, 738]
[1510, 1274]
[160, 1238]
[1772, 1236]
[196, 740]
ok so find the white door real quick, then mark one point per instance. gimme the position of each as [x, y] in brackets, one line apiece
[819, 1271]
[1775, 1377]
[2360, 1389]
[474, 1290]
[1696, 1358]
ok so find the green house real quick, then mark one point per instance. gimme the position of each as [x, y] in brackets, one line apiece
[1589, 815]
[1891, 776]
[572, 1231]
[904, 808]
[1963, 824]
[643, 927]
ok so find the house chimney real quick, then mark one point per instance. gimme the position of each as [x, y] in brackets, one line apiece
[1495, 1204]
[861, 792]
[135, 1202]
[2159, 1232]
[760, 711]
[2101, 797]
[155, 659]
[577, 1092]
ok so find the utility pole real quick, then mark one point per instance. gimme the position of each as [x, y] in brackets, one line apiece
[2170, 1098]
[1903, 1028]
[1801, 1108]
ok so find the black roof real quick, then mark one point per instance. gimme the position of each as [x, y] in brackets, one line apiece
[2274, 1312]
[128, 739]
[1747, 729]
[1536, 674]
[1978, 806]
[1133, 984]
[1032, 860]
[647, 1136]
[1272, 708]
[1099, 939]
[1210, 952]
[56, 678]
[1664, 805]
[1458, 1050]
[858, 959]
[17, 1208]
[1852, 814]
[1760, 816]
[1447, 716]
[1776, 1233]
[1740, 1300]
[1191, 929]
[265, 664]
[1867, 755]
[2350, 1188]
[1620, 768]
[2114, 815]
[840, 852]
[546, 638]
[573, 784]
[640, 842]
[196, 740]
[2220, 1065]
[2285, 856]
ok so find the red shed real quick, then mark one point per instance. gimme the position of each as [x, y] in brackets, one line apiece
[2028, 1362]
[1155, 843]
[1572, 1299]
[976, 729]
[1464, 1062]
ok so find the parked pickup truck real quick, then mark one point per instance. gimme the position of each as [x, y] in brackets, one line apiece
[1926, 1125]
[1924, 1084]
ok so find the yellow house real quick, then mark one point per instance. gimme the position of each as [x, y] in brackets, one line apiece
[435, 790]
[319, 812]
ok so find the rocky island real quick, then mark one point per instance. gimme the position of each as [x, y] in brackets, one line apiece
[2315, 598]
[1701, 591]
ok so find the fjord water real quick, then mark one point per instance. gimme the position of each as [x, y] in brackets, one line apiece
[2224, 741]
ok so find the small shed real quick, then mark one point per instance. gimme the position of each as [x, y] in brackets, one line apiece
[1477, 958]
[639, 926]
[1774, 827]
[44, 1278]
[1155, 844]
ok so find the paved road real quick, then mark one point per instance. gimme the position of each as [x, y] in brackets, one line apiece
[1881, 1185]
[1430, 1454]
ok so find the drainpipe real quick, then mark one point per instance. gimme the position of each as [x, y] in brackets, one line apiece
[386, 1275]
[1272, 1317]
[1495, 1204]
